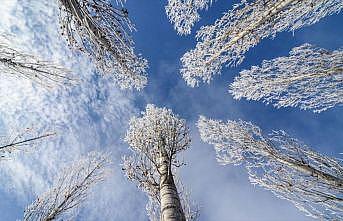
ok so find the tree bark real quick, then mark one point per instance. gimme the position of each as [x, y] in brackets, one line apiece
[171, 208]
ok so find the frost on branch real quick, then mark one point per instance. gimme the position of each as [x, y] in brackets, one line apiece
[281, 164]
[243, 27]
[311, 78]
[20, 140]
[22, 65]
[102, 31]
[155, 139]
[69, 189]
[184, 13]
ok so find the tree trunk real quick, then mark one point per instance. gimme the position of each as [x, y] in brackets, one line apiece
[171, 209]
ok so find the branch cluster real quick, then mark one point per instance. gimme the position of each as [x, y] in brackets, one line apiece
[102, 31]
[311, 78]
[184, 13]
[69, 189]
[23, 65]
[280, 163]
[243, 27]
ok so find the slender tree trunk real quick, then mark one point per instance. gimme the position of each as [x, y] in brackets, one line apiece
[171, 209]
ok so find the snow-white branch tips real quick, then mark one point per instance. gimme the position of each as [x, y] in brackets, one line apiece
[184, 13]
[97, 28]
[280, 163]
[23, 65]
[311, 78]
[243, 27]
[156, 138]
[69, 190]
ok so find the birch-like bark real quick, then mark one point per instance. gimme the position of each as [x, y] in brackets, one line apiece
[171, 209]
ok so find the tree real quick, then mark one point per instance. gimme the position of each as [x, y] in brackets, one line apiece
[281, 164]
[23, 65]
[184, 13]
[230, 37]
[311, 78]
[17, 141]
[69, 189]
[98, 29]
[156, 138]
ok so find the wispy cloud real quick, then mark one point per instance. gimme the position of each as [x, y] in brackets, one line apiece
[91, 115]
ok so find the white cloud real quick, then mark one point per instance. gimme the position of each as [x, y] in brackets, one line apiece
[92, 115]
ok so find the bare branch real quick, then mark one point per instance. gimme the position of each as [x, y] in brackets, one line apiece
[22, 65]
[17, 141]
[281, 164]
[69, 190]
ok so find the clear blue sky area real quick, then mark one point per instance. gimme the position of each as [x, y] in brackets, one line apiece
[94, 116]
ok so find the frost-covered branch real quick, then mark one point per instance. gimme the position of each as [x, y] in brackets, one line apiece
[243, 27]
[102, 31]
[156, 138]
[311, 78]
[281, 164]
[69, 189]
[15, 141]
[23, 65]
[184, 13]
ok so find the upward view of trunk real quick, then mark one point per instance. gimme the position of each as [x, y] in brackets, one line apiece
[156, 138]
[171, 209]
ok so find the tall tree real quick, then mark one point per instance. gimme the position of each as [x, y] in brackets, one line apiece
[23, 65]
[184, 13]
[311, 78]
[102, 31]
[14, 141]
[230, 37]
[281, 164]
[156, 138]
[69, 190]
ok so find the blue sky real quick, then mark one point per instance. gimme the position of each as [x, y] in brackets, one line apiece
[94, 116]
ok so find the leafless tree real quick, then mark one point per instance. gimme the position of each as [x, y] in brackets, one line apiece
[156, 138]
[281, 164]
[230, 37]
[102, 31]
[23, 65]
[14, 141]
[311, 78]
[69, 189]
